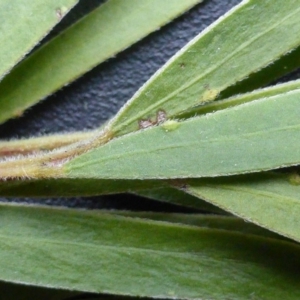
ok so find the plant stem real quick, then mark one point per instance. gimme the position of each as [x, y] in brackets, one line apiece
[41, 144]
[49, 164]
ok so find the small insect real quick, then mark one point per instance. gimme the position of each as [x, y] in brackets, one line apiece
[170, 125]
[209, 95]
[145, 123]
[60, 12]
[161, 117]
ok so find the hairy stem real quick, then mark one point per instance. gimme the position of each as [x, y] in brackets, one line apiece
[41, 144]
[49, 164]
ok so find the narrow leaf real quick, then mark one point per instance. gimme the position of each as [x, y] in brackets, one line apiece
[268, 200]
[95, 252]
[175, 196]
[23, 24]
[38, 144]
[109, 29]
[283, 66]
[64, 187]
[251, 36]
[255, 136]
[201, 220]
[240, 99]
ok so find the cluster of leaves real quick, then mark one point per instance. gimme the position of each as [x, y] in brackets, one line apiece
[197, 130]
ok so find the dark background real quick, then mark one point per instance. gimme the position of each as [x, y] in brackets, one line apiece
[98, 95]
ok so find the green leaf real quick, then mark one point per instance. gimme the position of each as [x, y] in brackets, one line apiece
[50, 142]
[251, 36]
[90, 251]
[255, 136]
[269, 200]
[65, 187]
[23, 24]
[109, 29]
[240, 99]
[284, 65]
[175, 196]
[205, 221]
